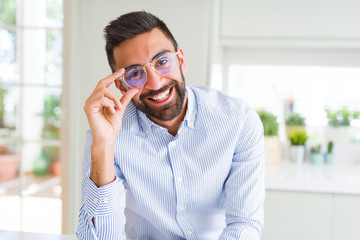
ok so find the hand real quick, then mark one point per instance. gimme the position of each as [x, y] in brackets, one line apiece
[104, 111]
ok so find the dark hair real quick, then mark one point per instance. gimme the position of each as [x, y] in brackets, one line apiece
[130, 25]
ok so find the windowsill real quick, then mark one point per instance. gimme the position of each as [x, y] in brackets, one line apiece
[332, 178]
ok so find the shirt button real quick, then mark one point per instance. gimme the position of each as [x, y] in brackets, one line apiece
[180, 208]
[105, 200]
[147, 132]
[95, 200]
[179, 179]
[172, 144]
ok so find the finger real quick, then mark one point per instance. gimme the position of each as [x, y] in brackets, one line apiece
[126, 98]
[106, 82]
[111, 95]
[108, 104]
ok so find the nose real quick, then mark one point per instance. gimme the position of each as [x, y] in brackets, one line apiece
[153, 79]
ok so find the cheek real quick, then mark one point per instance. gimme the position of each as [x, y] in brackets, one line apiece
[175, 74]
[136, 98]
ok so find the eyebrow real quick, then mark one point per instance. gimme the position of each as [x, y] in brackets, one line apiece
[152, 59]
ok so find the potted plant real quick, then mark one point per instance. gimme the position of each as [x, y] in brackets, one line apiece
[48, 160]
[271, 138]
[2, 107]
[329, 156]
[297, 148]
[339, 129]
[9, 163]
[315, 155]
[294, 123]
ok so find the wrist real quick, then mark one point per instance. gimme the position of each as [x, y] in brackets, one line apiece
[102, 163]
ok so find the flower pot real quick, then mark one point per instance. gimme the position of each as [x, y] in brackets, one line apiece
[273, 149]
[9, 166]
[41, 166]
[316, 158]
[328, 158]
[55, 168]
[297, 153]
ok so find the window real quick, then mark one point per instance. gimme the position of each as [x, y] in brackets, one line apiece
[311, 80]
[311, 89]
[30, 91]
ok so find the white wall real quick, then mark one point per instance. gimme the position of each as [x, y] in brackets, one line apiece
[291, 19]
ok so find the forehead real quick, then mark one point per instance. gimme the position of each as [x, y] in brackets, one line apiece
[141, 49]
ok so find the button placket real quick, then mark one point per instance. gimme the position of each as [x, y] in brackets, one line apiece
[179, 170]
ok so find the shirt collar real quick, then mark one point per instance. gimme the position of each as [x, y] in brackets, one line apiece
[191, 109]
[189, 119]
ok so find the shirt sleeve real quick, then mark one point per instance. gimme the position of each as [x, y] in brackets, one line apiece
[245, 188]
[104, 204]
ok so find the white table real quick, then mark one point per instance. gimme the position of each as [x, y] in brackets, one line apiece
[13, 235]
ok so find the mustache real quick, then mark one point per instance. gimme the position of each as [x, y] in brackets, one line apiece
[155, 92]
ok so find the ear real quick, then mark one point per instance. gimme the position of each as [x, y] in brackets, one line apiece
[181, 59]
[119, 85]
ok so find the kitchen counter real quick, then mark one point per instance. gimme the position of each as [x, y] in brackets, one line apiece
[307, 177]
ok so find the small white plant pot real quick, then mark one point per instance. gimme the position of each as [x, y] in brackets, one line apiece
[297, 153]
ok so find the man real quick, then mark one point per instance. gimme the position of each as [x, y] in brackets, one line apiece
[179, 162]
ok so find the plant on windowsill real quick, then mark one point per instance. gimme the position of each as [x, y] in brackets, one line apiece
[2, 107]
[9, 163]
[48, 160]
[315, 155]
[9, 160]
[271, 138]
[297, 148]
[329, 156]
[339, 129]
[294, 123]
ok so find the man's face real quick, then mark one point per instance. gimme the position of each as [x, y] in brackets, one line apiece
[162, 96]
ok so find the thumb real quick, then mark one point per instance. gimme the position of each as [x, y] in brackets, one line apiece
[126, 98]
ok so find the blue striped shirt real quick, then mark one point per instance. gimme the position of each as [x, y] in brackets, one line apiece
[207, 182]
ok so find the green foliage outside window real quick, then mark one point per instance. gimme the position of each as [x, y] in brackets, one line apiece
[51, 130]
[8, 12]
[2, 106]
[54, 9]
[51, 116]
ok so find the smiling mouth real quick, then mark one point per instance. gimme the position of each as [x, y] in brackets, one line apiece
[161, 96]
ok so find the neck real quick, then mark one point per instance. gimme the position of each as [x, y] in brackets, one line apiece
[173, 125]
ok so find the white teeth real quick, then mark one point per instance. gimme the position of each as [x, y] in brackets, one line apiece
[162, 96]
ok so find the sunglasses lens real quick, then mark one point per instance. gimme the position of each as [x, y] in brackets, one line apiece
[135, 76]
[165, 63]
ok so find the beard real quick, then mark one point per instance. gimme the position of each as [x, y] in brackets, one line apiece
[166, 112]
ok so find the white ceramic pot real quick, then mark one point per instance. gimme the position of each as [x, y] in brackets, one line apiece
[297, 153]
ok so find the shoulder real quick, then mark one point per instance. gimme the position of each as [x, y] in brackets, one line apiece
[209, 99]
